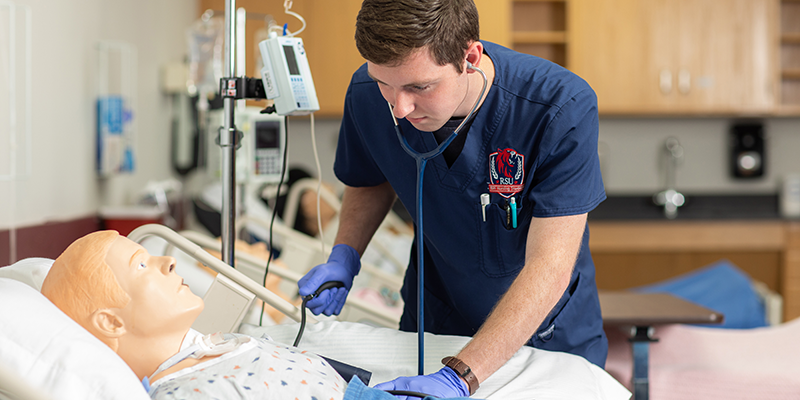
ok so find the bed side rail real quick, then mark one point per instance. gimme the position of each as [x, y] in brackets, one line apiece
[230, 286]
[355, 309]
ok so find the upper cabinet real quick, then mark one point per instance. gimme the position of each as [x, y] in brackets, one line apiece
[539, 27]
[790, 56]
[677, 56]
[642, 57]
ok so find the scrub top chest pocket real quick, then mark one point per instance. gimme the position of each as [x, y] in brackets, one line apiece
[503, 246]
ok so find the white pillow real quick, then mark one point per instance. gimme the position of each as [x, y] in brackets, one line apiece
[30, 271]
[54, 354]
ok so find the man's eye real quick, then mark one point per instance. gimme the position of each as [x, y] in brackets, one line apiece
[421, 88]
[142, 266]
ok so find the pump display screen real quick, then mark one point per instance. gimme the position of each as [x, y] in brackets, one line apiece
[267, 135]
[291, 60]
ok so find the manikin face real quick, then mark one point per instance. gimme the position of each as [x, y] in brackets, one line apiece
[160, 301]
[425, 93]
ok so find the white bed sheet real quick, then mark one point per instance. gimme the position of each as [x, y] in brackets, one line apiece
[387, 353]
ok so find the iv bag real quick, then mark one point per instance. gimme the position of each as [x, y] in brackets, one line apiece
[206, 43]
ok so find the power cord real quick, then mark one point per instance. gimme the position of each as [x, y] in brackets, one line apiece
[330, 285]
[319, 184]
[274, 212]
[409, 393]
[306, 299]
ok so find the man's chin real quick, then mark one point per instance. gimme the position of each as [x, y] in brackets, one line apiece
[425, 124]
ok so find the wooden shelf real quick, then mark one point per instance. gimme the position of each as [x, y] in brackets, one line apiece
[546, 1]
[539, 37]
[790, 38]
[788, 110]
[793, 74]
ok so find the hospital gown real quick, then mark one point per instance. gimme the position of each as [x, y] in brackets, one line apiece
[257, 369]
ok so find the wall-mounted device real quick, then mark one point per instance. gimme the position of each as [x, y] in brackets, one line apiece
[260, 158]
[747, 150]
[287, 76]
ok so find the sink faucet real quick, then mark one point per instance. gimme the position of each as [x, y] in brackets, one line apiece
[670, 198]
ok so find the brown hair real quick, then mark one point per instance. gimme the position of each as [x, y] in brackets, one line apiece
[387, 31]
[81, 282]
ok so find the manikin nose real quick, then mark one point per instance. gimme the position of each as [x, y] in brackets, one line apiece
[167, 264]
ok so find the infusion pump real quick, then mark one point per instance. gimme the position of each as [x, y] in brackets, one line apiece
[287, 76]
[260, 158]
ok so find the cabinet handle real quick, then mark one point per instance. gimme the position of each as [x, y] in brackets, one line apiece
[684, 81]
[665, 81]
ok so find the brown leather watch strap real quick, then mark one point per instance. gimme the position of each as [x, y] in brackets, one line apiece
[463, 370]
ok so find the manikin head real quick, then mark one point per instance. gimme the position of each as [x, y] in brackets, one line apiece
[133, 302]
[417, 51]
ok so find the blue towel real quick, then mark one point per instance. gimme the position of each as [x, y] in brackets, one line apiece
[721, 287]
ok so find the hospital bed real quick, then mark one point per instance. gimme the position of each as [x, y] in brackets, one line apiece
[375, 296]
[395, 258]
[41, 348]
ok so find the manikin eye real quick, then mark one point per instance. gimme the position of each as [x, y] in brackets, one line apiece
[142, 266]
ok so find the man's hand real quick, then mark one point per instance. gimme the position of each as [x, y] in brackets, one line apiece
[443, 384]
[343, 265]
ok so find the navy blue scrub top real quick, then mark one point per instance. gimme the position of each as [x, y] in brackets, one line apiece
[534, 138]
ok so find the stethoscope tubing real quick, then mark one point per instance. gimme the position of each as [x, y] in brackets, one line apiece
[421, 159]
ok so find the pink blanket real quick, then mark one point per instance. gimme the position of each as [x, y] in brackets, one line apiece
[705, 363]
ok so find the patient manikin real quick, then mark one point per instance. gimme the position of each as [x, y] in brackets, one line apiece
[137, 305]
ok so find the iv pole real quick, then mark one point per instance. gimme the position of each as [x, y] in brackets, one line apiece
[228, 140]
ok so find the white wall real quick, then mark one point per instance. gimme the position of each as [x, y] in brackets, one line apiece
[630, 148]
[63, 184]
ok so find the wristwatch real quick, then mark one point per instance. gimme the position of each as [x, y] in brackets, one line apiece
[463, 370]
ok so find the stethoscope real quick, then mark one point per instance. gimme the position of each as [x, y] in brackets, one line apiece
[421, 159]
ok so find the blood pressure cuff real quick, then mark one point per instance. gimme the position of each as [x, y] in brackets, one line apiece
[347, 371]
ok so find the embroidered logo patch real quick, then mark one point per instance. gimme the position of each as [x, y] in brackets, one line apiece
[506, 172]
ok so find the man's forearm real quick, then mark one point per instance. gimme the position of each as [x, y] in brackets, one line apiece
[551, 251]
[363, 210]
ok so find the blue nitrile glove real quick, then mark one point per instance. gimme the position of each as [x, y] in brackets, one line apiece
[443, 384]
[343, 265]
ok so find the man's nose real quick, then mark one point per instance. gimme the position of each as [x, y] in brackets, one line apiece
[403, 105]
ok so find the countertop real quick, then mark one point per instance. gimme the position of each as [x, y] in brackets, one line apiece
[697, 207]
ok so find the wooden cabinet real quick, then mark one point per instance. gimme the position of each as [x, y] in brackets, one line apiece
[539, 27]
[676, 56]
[661, 57]
[790, 56]
[628, 254]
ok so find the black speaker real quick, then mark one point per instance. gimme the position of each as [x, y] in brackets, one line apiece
[747, 150]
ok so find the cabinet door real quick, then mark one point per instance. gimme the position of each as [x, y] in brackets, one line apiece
[727, 55]
[677, 56]
[608, 48]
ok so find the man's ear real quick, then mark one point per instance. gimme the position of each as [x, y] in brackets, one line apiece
[474, 54]
[107, 325]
